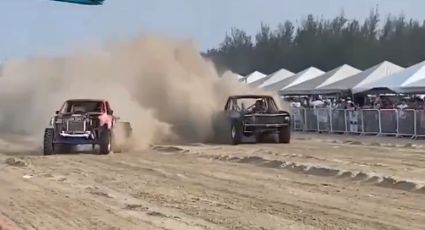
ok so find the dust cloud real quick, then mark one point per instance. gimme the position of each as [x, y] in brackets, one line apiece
[164, 87]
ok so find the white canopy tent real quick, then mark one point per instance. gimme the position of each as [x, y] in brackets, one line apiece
[258, 82]
[280, 84]
[360, 79]
[397, 81]
[300, 77]
[307, 87]
[417, 87]
[276, 77]
[254, 76]
[305, 75]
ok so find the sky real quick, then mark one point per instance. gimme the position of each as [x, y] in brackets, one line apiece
[49, 28]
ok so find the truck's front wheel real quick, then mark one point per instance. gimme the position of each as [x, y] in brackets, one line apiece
[48, 146]
[236, 133]
[285, 135]
[105, 143]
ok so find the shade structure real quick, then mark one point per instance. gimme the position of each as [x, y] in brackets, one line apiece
[280, 84]
[397, 82]
[258, 82]
[307, 87]
[360, 79]
[277, 76]
[254, 76]
[413, 85]
[300, 77]
[417, 87]
[307, 74]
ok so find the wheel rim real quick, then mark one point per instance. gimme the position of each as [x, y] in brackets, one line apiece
[233, 132]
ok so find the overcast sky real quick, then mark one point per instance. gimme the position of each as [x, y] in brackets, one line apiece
[44, 27]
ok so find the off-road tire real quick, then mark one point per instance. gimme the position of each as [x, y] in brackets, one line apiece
[236, 133]
[105, 141]
[285, 135]
[48, 145]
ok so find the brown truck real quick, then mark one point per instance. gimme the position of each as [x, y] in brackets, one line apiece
[252, 115]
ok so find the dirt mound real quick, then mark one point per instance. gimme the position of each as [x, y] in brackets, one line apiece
[323, 171]
[12, 161]
[168, 149]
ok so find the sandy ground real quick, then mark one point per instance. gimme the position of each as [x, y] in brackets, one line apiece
[316, 182]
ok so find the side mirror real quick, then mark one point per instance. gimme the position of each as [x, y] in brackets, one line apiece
[57, 112]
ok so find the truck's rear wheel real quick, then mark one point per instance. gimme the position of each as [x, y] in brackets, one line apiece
[105, 144]
[285, 135]
[48, 145]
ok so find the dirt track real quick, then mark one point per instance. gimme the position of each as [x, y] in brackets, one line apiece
[309, 184]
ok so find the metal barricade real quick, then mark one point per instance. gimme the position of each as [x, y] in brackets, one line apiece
[420, 123]
[354, 121]
[298, 119]
[323, 120]
[338, 121]
[388, 122]
[368, 121]
[406, 122]
[371, 121]
[310, 120]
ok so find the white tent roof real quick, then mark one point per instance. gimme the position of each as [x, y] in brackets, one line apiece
[396, 81]
[337, 74]
[415, 87]
[305, 75]
[259, 81]
[254, 76]
[276, 77]
[371, 74]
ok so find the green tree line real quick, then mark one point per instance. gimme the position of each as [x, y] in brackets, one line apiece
[325, 44]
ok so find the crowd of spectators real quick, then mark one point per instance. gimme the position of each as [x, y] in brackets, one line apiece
[367, 102]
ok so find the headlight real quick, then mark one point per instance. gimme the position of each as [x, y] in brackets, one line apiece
[287, 118]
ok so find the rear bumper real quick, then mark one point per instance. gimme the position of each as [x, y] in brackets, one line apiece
[266, 125]
[251, 128]
[74, 141]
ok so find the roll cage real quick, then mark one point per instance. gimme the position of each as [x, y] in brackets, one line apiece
[233, 105]
[74, 106]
